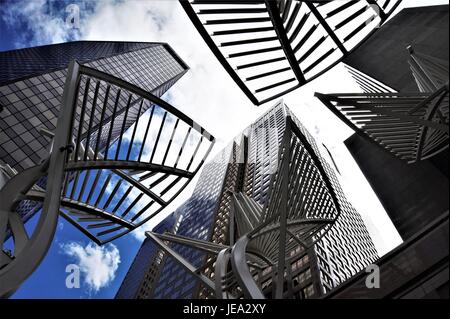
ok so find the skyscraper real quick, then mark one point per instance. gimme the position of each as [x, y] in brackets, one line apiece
[31, 86]
[145, 267]
[404, 154]
[101, 177]
[198, 216]
[405, 159]
[247, 165]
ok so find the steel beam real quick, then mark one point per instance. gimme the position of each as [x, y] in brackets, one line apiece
[183, 262]
[272, 8]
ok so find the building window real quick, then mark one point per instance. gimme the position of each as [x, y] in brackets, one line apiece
[300, 263]
[308, 292]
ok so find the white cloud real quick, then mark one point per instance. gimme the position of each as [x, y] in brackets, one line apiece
[98, 265]
[46, 28]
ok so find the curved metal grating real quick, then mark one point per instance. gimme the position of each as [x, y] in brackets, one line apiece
[302, 190]
[273, 47]
[302, 207]
[112, 186]
[411, 126]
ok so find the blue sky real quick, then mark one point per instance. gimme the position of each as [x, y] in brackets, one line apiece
[25, 23]
[18, 29]
[48, 281]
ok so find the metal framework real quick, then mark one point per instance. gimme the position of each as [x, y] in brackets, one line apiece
[271, 47]
[411, 126]
[302, 206]
[105, 190]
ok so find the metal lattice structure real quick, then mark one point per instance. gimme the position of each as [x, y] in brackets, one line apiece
[105, 190]
[271, 47]
[411, 126]
[301, 208]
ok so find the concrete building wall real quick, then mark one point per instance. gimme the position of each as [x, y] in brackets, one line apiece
[417, 269]
[384, 56]
[412, 194]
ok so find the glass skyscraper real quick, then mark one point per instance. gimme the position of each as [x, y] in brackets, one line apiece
[145, 267]
[246, 165]
[31, 87]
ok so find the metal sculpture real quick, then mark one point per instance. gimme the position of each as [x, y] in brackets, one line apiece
[271, 47]
[410, 126]
[104, 187]
[301, 208]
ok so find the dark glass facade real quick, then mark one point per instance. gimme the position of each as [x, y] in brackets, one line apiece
[29, 62]
[247, 164]
[197, 217]
[143, 270]
[32, 82]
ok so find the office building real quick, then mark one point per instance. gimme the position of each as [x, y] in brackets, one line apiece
[117, 155]
[405, 159]
[245, 169]
[31, 87]
[144, 269]
[403, 154]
